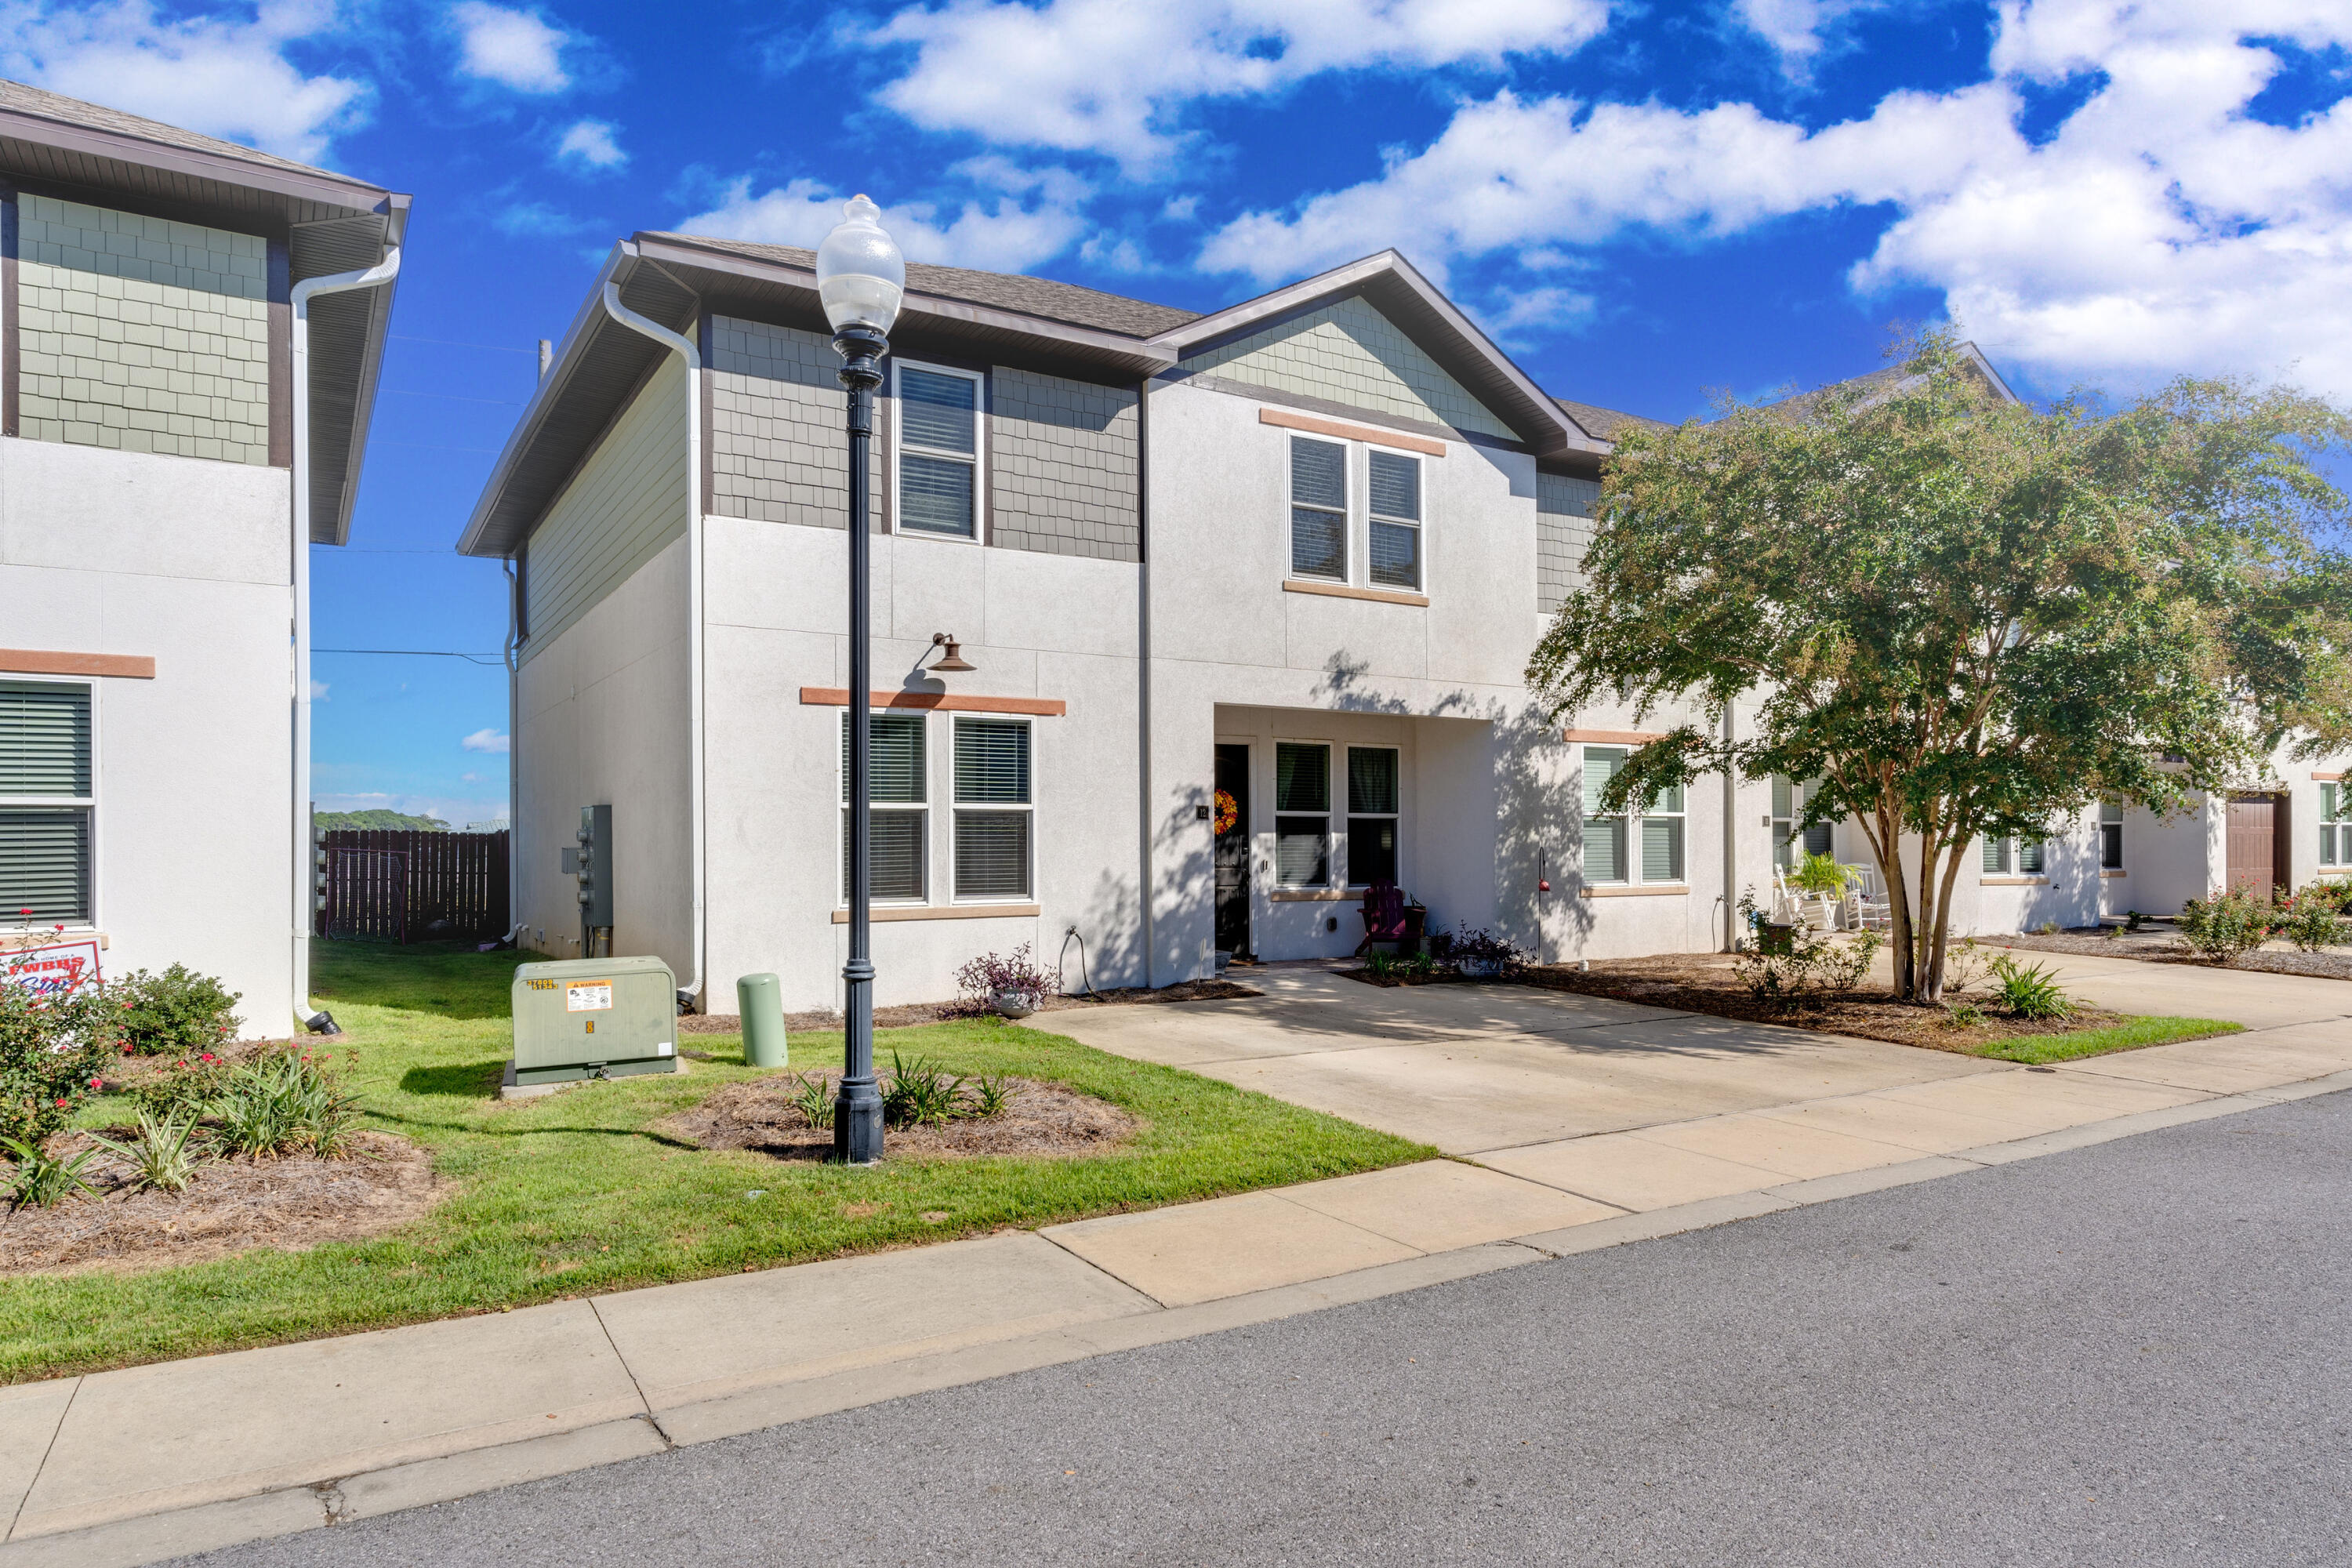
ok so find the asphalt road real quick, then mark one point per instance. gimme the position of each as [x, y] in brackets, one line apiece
[2134, 1353]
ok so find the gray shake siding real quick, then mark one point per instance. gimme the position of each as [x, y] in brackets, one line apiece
[1563, 529]
[778, 451]
[1062, 479]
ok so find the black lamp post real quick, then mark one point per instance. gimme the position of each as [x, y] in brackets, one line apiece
[860, 278]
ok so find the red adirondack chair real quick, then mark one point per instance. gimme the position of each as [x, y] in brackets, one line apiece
[1384, 915]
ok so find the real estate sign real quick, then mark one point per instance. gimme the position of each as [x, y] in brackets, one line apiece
[57, 970]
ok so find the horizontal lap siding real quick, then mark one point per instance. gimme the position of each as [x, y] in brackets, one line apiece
[1063, 467]
[628, 501]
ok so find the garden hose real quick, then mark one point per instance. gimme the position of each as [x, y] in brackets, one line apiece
[1063, 957]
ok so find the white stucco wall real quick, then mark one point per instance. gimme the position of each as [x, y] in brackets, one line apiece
[186, 562]
[603, 720]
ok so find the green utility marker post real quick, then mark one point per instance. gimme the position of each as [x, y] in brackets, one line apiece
[760, 997]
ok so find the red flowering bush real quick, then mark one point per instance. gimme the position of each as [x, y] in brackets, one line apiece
[175, 1012]
[52, 1052]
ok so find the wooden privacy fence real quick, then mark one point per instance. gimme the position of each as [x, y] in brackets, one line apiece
[413, 887]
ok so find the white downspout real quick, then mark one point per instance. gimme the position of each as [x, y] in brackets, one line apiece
[305, 871]
[514, 749]
[685, 346]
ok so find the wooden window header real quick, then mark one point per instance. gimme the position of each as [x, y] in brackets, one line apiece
[1613, 737]
[1319, 426]
[2327, 778]
[1341, 591]
[938, 701]
[31, 661]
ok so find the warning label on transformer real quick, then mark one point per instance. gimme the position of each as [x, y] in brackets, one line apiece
[588, 995]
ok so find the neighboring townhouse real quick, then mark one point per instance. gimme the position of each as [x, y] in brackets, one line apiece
[187, 366]
[1187, 629]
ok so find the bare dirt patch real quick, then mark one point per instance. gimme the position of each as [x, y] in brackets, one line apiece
[913, 1013]
[1044, 1120]
[1706, 983]
[232, 1207]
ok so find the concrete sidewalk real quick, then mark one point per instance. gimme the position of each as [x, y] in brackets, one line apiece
[131, 1465]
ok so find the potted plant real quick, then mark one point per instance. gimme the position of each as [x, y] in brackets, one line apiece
[1011, 985]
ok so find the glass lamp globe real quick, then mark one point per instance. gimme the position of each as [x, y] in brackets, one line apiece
[860, 275]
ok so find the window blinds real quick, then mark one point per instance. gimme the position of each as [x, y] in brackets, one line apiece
[45, 864]
[44, 739]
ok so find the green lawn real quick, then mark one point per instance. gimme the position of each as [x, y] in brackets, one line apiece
[569, 1194]
[2037, 1049]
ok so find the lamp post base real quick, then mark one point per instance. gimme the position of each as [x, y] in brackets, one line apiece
[857, 1122]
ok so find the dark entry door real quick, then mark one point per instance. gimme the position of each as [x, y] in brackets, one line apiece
[2255, 843]
[1232, 818]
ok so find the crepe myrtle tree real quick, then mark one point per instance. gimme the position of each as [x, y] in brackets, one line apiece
[1966, 617]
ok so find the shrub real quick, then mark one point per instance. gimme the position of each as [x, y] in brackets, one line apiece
[2226, 925]
[163, 1152]
[990, 1096]
[920, 1093]
[1963, 964]
[44, 1179]
[2029, 993]
[1480, 945]
[52, 1050]
[2313, 919]
[1961, 1016]
[989, 976]
[812, 1100]
[1380, 965]
[175, 1012]
[284, 1103]
[1843, 964]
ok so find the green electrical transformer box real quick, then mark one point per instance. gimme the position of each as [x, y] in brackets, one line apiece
[590, 1017]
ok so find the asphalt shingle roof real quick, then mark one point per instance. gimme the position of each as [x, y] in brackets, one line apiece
[24, 99]
[1001, 291]
[1605, 423]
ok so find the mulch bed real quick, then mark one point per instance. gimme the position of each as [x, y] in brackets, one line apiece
[1706, 983]
[908, 1016]
[2172, 949]
[1044, 1120]
[232, 1207]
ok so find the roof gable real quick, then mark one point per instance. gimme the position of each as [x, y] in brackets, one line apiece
[1348, 351]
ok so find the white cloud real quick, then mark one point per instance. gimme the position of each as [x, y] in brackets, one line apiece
[1111, 77]
[592, 142]
[1539, 311]
[491, 741]
[317, 691]
[512, 47]
[2160, 228]
[1794, 27]
[1003, 235]
[224, 78]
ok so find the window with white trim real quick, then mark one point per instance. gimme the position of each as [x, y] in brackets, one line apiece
[939, 417]
[1604, 833]
[1392, 497]
[2334, 824]
[46, 804]
[2111, 836]
[1789, 799]
[995, 846]
[1371, 815]
[1641, 844]
[1302, 814]
[900, 830]
[1318, 509]
[2013, 857]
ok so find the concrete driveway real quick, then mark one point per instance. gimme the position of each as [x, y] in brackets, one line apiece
[1479, 1068]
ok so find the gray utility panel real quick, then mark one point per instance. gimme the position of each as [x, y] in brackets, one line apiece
[593, 1017]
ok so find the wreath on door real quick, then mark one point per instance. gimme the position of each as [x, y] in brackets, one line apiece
[1226, 811]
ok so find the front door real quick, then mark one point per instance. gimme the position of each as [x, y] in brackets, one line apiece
[2253, 843]
[1232, 814]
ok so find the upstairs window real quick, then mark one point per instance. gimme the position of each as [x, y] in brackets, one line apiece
[1394, 498]
[1371, 815]
[901, 819]
[1318, 509]
[46, 802]
[994, 811]
[938, 451]
[1302, 819]
[2111, 836]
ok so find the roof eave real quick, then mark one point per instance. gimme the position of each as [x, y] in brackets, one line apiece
[313, 186]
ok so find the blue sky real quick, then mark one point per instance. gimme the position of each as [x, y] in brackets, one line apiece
[1645, 203]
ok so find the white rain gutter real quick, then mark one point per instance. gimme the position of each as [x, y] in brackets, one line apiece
[685, 346]
[305, 867]
[514, 740]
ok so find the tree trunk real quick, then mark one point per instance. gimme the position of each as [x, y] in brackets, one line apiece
[1943, 933]
[1931, 850]
[1885, 838]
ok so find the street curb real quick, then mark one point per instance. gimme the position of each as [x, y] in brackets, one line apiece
[332, 1500]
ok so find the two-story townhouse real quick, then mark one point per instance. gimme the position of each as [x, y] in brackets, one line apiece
[1245, 601]
[190, 335]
